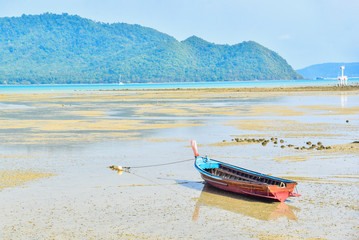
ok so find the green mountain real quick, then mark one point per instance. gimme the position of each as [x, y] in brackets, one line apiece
[330, 70]
[58, 49]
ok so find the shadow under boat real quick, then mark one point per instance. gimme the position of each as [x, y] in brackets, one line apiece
[249, 206]
[255, 207]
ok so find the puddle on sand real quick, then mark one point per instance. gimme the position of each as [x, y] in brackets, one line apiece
[251, 207]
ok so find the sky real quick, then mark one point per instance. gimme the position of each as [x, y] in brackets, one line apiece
[304, 32]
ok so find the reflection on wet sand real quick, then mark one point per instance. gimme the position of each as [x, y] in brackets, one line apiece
[235, 203]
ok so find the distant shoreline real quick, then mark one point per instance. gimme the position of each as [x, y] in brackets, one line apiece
[333, 79]
[256, 89]
[260, 87]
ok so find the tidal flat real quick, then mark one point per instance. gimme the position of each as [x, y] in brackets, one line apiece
[55, 150]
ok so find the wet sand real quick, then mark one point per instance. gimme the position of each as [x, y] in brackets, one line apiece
[14, 178]
[55, 149]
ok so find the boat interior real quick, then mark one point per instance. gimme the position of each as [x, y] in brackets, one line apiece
[233, 174]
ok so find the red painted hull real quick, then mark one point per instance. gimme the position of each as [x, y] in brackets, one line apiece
[258, 190]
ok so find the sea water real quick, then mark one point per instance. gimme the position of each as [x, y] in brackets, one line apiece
[239, 84]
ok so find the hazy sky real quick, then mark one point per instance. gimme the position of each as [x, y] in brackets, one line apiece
[304, 32]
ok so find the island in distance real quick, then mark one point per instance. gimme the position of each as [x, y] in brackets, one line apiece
[67, 49]
[330, 70]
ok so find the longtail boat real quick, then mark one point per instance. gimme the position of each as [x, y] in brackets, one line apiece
[243, 181]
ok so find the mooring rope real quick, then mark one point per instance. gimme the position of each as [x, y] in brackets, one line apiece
[160, 164]
[120, 168]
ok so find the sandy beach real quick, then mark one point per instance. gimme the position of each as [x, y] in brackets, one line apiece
[55, 149]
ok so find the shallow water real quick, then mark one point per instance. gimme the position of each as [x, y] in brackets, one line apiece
[238, 84]
[78, 141]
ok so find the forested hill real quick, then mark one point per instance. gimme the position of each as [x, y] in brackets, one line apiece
[330, 70]
[58, 49]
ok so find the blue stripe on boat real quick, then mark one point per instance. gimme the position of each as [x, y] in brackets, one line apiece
[210, 163]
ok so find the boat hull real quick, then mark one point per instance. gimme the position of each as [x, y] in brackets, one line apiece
[272, 192]
[221, 175]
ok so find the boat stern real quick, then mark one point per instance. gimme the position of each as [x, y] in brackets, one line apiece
[281, 193]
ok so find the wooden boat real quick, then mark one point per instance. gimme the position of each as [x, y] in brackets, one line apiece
[243, 181]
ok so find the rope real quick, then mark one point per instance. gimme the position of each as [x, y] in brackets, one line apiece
[161, 164]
